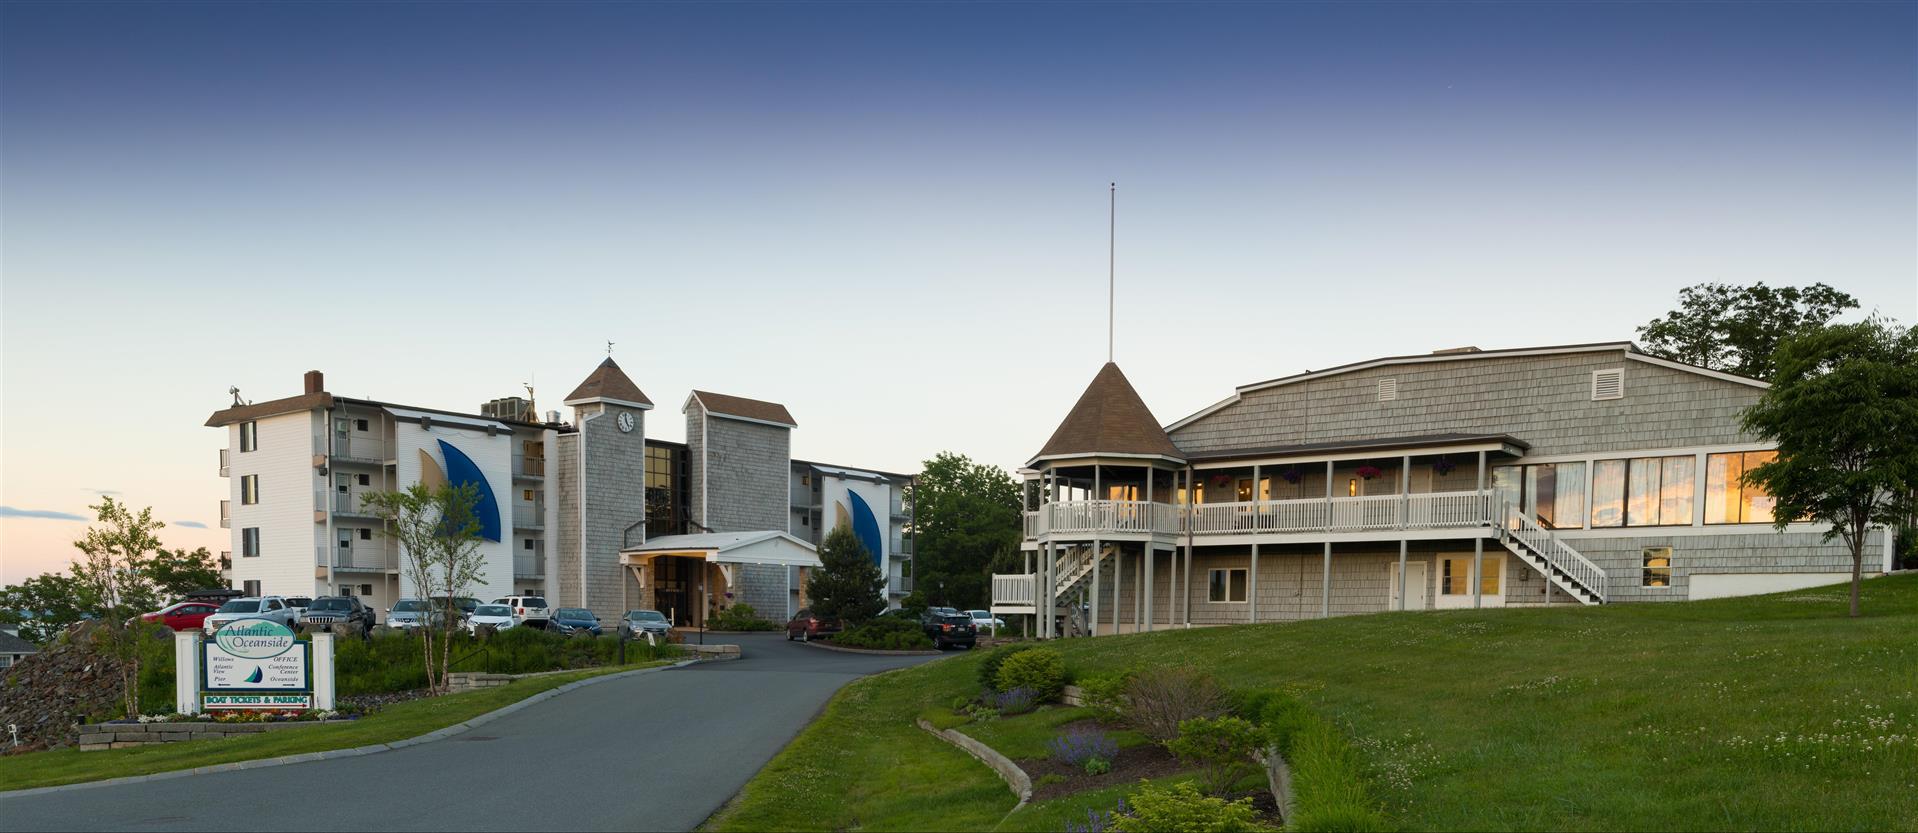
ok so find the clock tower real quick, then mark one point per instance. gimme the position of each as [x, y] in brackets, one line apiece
[602, 491]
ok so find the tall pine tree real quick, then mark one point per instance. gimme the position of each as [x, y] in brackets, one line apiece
[849, 586]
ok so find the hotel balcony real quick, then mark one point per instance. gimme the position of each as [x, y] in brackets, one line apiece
[226, 514]
[225, 462]
[530, 563]
[363, 557]
[529, 517]
[529, 468]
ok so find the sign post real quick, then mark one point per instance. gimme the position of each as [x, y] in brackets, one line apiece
[323, 671]
[186, 672]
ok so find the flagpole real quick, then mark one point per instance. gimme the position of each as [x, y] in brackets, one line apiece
[1112, 224]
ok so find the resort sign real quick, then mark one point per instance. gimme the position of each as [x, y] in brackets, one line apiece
[256, 657]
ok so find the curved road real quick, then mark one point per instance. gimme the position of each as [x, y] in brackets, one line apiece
[659, 751]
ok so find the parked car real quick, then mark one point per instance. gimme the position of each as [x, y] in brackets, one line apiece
[806, 627]
[407, 614]
[298, 604]
[250, 607]
[339, 614]
[983, 620]
[573, 620]
[184, 616]
[530, 609]
[942, 611]
[637, 623]
[498, 617]
[464, 604]
[947, 630]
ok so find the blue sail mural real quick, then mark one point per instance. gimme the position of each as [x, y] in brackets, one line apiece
[865, 527]
[461, 470]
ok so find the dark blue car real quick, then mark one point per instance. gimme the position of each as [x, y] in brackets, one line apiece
[573, 620]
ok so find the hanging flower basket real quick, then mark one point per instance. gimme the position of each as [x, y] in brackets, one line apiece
[1221, 479]
[1369, 472]
[1443, 466]
[1292, 475]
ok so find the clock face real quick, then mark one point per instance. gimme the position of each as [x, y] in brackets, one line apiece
[626, 422]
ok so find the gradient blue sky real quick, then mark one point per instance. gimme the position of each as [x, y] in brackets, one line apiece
[890, 217]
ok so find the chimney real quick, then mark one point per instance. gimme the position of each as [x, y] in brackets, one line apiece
[315, 382]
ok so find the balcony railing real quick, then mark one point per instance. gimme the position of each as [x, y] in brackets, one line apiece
[530, 565]
[530, 467]
[370, 557]
[351, 504]
[1434, 510]
[351, 448]
[226, 514]
[901, 584]
[529, 517]
[225, 462]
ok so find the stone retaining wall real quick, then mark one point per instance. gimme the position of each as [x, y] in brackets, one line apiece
[97, 736]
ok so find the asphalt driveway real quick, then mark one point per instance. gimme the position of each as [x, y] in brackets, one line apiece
[658, 751]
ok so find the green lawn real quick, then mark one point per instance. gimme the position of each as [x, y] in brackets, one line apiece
[398, 722]
[1774, 712]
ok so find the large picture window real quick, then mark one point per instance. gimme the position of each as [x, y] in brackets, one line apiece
[1643, 491]
[1727, 499]
[1552, 493]
[1227, 585]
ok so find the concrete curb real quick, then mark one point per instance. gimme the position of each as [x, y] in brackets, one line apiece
[1015, 778]
[438, 734]
[827, 646]
[1278, 778]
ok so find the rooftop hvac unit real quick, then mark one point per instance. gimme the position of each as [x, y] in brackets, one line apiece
[552, 416]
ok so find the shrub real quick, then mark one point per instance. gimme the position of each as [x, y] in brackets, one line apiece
[959, 704]
[1011, 701]
[989, 669]
[890, 633]
[1042, 671]
[1104, 694]
[1158, 700]
[1078, 747]
[1098, 766]
[740, 617]
[1181, 809]
[1221, 748]
[1049, 779]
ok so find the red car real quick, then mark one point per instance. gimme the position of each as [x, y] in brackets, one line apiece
[185, 616]
[806, 627]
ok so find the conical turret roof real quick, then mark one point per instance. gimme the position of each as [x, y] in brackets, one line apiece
[1109, 418]
[608, 383]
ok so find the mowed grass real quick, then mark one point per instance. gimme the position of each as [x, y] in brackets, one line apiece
[398, 722]
[1767, 713]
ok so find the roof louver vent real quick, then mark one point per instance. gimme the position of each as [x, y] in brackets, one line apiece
[1388, 389]
[1608, 384]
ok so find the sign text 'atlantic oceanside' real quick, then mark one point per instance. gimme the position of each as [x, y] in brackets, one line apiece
[255, 638]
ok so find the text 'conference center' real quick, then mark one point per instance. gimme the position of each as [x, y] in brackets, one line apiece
[586, 513]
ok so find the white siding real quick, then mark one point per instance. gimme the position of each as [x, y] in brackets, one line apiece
[288, 536]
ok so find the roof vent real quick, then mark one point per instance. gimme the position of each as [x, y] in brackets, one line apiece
[1388, 389]
[1608, 384]
[1453, 350]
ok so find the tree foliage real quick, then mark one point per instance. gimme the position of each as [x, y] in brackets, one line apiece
[1737, 329]
[112, 576]
[848, 585]
[45, 605]
[438, 533]
[1843, 410]
[965, 513]
[177, 572]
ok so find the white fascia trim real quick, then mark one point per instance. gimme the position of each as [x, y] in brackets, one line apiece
[773, 423]
[1203, 412]
[1090, 456]
[1613, 347]
[608, 400]
[1714, 374]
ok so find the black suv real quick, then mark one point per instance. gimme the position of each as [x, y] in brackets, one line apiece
[949, 629]
[340, 614]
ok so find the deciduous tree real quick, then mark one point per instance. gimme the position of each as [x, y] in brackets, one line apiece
[438, 533]
[112, 572]
[1843, 410]
[44, 605]
[965, 513]
[1737, 329]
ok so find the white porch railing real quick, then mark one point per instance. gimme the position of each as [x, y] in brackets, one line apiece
[1016, 590]
[1433, 510]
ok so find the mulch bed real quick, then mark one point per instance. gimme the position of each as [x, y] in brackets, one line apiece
[1134, 762]
[369, 703]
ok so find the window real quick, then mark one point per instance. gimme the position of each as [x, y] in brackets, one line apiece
[1226, 585]
[805, 480]
[1488, 581]
[1608, 384]
[250, 542]
[249, 489]
[249, 436]
[366, 480]
[1352, 487]
[346, 589]
[1245, 490]
[1455, 576]
[1658, 566]
[251, 587]
[1388, 390]
[346, 539]
[366, 534]
[6, 660]
[805, 520]
[1643, 491]
[526, 495]
[526, 544]
[359, 425]
[1728, 500]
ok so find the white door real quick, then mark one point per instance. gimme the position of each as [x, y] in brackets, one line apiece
[1455, 584]
[1414, 579]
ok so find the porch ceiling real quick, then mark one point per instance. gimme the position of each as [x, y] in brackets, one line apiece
[1387, 446]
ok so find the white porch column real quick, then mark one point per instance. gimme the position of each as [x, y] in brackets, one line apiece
[1092, 617]
[1252, 587]
[1402, 588]
[1118, 578]
[1325, 589]
[186, 671]
[1478, 570]
[1186, 600]
[1151, 561]
[1047, 604]
[323, 678]
[1405, 492]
